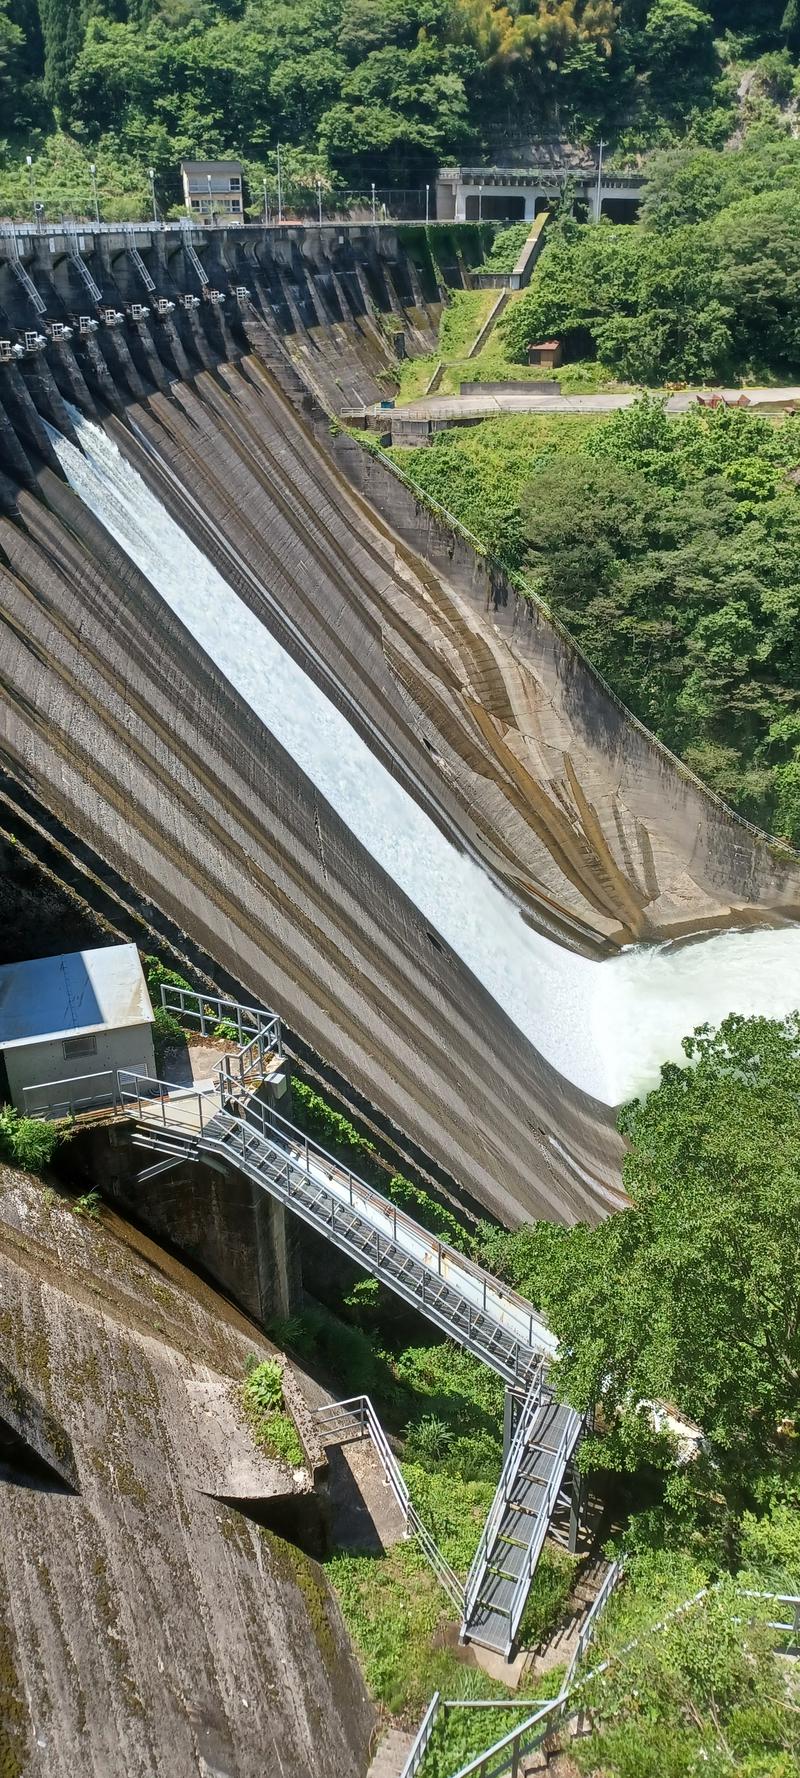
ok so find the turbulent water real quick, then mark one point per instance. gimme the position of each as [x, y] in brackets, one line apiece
[606, 1026]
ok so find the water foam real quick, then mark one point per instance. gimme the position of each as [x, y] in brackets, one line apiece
[606, 1026]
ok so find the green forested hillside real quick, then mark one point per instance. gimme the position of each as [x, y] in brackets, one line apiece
[708, 288]
[669, 549]
[363, 90]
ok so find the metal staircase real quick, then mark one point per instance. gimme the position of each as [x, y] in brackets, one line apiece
[74, 256]
[192, 256]
[20, 273]
[528, 1493]
[462, 1299]
[233, 1119]
[130, 241]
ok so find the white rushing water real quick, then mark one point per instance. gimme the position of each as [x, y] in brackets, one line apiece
[606, 1026]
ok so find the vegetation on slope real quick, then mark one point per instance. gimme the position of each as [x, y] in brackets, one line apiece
[669, 549]
[690, 1297]
[699, 1692]
[363, 90]
[700, 300]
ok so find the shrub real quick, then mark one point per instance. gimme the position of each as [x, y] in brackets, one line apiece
[167, 1034]
[506, 248]
[262, 1400]
[428, 1440]
[89, 1205]
[27, 1141]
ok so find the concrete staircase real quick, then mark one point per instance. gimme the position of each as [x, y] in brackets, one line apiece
[391, 1754]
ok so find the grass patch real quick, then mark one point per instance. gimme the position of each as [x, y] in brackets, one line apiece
[272, 1429]
[396, 1613]
[462, 321]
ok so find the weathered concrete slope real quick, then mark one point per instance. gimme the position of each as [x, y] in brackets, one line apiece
[146, 751]
[146, 1627]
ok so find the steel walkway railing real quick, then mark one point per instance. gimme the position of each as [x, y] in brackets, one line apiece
[464, 1301]
[356, 1418]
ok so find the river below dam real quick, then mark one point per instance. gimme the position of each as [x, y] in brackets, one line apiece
[606, 1026]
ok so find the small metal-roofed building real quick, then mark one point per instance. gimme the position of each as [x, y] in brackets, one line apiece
[68, 1023]
[213, 188]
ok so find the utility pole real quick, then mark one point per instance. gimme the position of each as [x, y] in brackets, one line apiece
[598, 202]
[210, 198]
[373, 200]
[266, 205]
[319, 200]
[280, 187]
[151, 174]
[31, 184]
[427, 202]
[93, 171]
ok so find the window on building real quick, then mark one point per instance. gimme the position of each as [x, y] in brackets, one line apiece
[236, 184]
[79, 1046]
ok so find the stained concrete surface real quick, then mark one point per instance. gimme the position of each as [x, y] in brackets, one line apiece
[145, 1627]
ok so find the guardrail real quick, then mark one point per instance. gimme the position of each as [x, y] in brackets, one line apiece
[357, 1417]
[72, 1096]
[207, 1011]
[587, 1630]
[490, 1297]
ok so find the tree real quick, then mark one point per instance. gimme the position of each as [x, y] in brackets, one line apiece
[692, 1296]
[62, 34]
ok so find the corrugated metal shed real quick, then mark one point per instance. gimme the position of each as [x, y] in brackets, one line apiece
[83, 991]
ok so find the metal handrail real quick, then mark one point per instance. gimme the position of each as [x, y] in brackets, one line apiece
[515, 1358]
[610, 1580]
[568, 1441]
[511, 1746]
[359, 1410]
[419, 1749]
[210, 1010]
[530, 1409]
[53, 1106]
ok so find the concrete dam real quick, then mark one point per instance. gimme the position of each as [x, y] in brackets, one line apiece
[292, 705]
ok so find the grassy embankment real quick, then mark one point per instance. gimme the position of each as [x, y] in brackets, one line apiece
[460, 325]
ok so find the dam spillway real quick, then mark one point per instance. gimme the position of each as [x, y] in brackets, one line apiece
[605, 1026]
[571, 835]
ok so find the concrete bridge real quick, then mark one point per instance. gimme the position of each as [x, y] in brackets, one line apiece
[520, 193]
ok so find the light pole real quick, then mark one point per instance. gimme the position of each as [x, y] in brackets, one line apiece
[480, 203]
[427, 202]
[266, 207]
[280, 187]
[319, 201]
[373, 200]
[93, 171]
[210, 198]
[31, 185]
[151, 174]
[598, 202]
